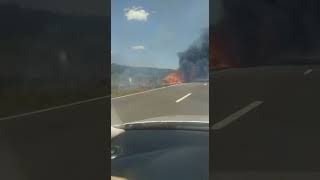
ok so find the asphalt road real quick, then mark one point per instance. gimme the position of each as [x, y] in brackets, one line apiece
[181, 99]
[67, 142]
[265, 123]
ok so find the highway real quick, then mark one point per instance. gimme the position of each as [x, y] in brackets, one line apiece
[72, 137]
[265, 123]
[180, 99]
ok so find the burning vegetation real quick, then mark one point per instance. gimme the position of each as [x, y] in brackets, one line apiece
[172, 78]
[193, 63]
[221, 50]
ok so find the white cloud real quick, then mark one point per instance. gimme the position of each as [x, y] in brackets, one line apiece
[138, 48]
[136, 13]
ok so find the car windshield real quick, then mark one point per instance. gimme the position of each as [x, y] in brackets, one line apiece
[159, 61]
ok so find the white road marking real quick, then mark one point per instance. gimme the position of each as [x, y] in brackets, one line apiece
[53, 108]
[205, 84]
[307, 72]
[146, 91]
[179, 100]
[236, 115]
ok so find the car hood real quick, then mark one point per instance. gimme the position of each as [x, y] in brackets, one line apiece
[178, 118]
[190, 122]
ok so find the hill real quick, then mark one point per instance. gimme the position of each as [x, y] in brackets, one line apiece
[128, 79]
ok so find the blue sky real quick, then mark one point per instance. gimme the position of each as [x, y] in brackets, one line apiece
[150, 33]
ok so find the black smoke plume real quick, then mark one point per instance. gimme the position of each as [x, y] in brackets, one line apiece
[268, 32]
[194, 62]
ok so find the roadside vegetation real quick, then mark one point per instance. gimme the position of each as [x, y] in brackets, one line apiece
[128, 80]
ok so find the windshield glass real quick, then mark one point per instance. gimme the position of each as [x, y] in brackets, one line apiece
[159, 60]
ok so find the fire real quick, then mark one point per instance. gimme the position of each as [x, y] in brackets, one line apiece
[221, 48]
[172, 78]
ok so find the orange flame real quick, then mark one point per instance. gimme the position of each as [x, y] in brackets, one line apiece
[221, 48]
[172, 78]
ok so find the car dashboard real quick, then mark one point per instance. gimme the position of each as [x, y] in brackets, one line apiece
[161, 154]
